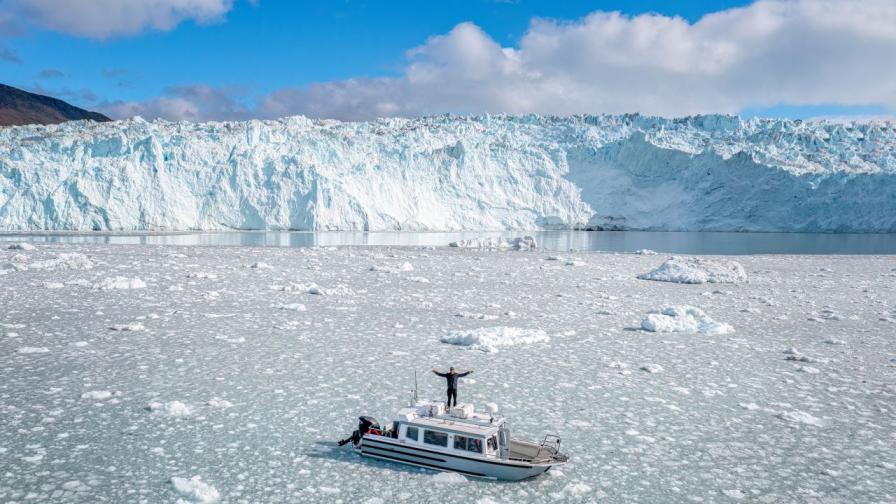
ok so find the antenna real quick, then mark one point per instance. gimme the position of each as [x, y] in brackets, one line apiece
[415, 386]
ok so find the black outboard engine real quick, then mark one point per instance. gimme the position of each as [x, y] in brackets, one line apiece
[365, 424]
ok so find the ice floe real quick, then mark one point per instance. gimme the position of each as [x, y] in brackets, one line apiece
[121, 283]
[694, 270]
[170, 408]
[33, 350]
[682, 319]
[519, 243]
[194, 490]
[72, 261]
[21, 246]
[133, 327]
[489, 339]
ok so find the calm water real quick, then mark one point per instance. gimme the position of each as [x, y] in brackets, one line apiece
[614, 241]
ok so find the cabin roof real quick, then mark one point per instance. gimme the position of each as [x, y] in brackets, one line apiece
[478, 424]
[451, 424]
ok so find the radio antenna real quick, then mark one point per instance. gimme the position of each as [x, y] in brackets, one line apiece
[415, 386]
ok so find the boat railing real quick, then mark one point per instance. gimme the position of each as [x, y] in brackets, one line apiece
[548, 449]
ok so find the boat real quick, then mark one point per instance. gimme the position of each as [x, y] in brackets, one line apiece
[476, 444]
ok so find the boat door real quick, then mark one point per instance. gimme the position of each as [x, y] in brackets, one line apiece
[503, 442]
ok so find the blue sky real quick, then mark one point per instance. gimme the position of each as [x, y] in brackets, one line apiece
[270, 57]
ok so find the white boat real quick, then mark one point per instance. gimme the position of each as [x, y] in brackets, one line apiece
[460, 440]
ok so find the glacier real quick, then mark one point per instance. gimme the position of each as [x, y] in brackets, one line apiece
[451, 173]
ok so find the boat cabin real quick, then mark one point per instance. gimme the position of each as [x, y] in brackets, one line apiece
[461, 430]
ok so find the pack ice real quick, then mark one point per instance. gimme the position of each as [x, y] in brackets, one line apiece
[452, 173]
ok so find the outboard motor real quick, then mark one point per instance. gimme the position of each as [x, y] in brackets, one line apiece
[365, 424]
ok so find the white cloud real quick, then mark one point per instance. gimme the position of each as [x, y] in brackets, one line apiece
[188, 103]
[800, 52]
[108, 18]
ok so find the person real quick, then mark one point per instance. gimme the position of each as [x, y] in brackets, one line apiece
[451, 376]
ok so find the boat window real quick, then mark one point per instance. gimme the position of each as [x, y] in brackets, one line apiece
[435, 438]
[411, 433]
[467, 444]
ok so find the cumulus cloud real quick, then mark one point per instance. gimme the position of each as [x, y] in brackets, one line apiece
[799, 52]
[109, 18]
[187, 103]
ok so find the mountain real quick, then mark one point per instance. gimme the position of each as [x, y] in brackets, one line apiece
[21, 107]
[702, 173]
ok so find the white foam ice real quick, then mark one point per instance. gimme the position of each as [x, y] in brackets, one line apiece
[682, 319]
[695, 270]
[489, 339]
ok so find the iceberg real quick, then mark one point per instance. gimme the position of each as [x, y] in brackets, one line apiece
[450, 173]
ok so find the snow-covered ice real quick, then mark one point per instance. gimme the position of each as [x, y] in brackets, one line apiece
[251, 397]
[709, 172]
[683, 319]
[194, 490]
[488, 339]
[695, 270]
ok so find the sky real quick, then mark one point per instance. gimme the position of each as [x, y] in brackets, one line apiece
[357, 60]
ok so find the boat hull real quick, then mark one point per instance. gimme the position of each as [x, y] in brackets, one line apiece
[385, 448]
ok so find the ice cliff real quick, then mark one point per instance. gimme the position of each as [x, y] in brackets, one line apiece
[452, 173]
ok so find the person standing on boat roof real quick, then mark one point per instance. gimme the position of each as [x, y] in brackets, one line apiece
[452, 377]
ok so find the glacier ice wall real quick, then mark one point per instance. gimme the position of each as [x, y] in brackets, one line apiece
[451, 173]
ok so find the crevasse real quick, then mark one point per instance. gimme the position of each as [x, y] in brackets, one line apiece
[718, 173]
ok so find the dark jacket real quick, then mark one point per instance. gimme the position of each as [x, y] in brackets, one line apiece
[452, 378]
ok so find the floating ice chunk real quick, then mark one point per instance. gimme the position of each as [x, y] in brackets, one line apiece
[32, 350]
[21, 246]
[99, 395]
[835, 341]
[800, 417]
[203, 275]
[171, 408]
[448, 478]
[488, 339]
[491, 407]
[792, 354]
[645, 252]
[260, 265]
[406, 267]
[133, 327]
[195, 490]
[289, 306]
[477, 316]
[217, 402]
[682, 319]
[520, 243]
[121, 283]
[73, 261]
[53, 285]
[652, 368]
[418, 279]
[694, 270]
[808, 369]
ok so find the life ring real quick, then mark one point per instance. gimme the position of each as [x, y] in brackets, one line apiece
[375, 432]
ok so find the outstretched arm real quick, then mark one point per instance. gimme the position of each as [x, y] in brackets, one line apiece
[443, 375]
[465, 374]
